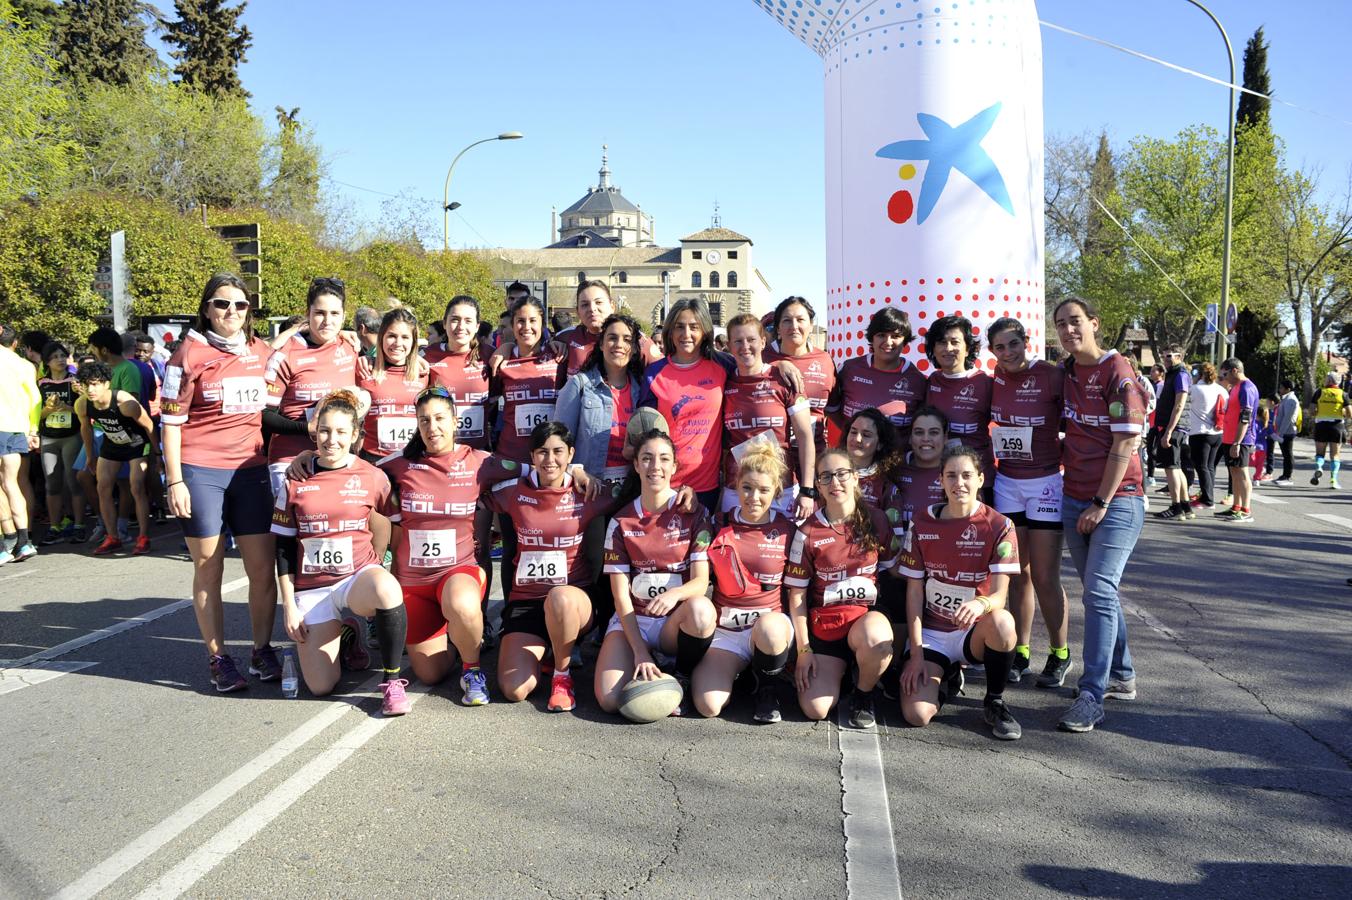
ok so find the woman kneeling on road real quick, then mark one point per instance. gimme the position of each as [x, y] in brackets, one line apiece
[958, 559]
[326, 560]
[657, 558]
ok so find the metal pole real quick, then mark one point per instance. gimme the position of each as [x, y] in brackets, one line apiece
[1222, 337]
[446, 196]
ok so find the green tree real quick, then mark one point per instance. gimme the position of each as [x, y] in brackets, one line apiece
[34, 147]
[45, 14]
[211, 43]
[293, 189]
[1253, 110]
[103, 40]
[157, 139]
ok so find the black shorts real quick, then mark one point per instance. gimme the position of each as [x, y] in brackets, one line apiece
[1240, 461]
[840, 649]
[1170, 455]
[1328, 432]
[528, 616]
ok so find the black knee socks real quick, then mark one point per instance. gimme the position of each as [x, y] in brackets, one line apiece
[391, 631]
[690, 650]
[768, 666]
[997, 672]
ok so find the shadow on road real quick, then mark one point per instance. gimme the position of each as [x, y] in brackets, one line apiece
[1218, 879]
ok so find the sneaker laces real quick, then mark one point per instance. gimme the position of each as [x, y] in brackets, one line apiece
[225, 666]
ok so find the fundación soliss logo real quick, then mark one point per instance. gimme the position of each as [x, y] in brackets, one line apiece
[946, 148]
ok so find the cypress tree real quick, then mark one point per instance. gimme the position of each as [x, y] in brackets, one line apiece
[211, 44]
[103, 40]
[1255, 109]
[1101, 235]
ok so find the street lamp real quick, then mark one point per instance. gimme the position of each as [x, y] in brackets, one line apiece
[1229, 178]
[1281, 331]
[446, 206]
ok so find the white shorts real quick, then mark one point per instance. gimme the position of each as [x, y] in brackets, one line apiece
[788, 500]
[1038, 499]
[326, 604]
[738, 642]
[650, 627]
[277, 476]
[947, 643]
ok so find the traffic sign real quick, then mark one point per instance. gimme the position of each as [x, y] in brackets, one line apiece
[1213, 313]
[1231, 317]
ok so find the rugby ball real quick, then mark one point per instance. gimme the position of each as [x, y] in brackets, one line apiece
[644, 420]
[650, 701]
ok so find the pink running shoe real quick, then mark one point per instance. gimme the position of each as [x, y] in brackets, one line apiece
[395, 701]
[561, 697]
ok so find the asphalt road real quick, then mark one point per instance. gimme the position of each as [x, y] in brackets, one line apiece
[1230, 775]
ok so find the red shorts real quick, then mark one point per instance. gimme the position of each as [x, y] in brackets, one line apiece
[423, 604]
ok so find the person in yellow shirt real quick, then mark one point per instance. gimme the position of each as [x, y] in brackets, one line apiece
[1331, 409]
[20, 407]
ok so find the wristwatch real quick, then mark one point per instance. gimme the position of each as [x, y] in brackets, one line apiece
[808, 492]
[1100, 502]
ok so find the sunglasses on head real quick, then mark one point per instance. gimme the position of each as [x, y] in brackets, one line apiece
[222, 304]
[436, 390]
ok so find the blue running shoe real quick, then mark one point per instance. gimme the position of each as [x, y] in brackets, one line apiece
[475, 686]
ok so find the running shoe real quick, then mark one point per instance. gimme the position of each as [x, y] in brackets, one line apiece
[1186, 512]
[1333, 484]
[862, 714]
[1282, 482]
[79, 535]
[123, 530]
[1003, 725]
[475, 687]
[1239, 516]
[683, 708]
[1120, 689]
[351, 650]
[1055, 671]
[225, 676]
[53, 536]
[394, 702]
[767, 704]
[1173, 512]
[561, 698]
[956, 682]
[264, 664]
[110, 545]
[1227, 514]
[99, 532]
[5, 556]
[1019, 668]
[27, 551]
[1083, 715]
[142, 545]
[496, 551]
[1318, 474]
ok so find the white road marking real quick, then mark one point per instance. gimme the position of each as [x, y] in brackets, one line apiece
[248, 824]
[95, 636]
[1332, 519]
[16, 575]
[114, 867]
[870, 848]
[16, 679]
[1262, 500]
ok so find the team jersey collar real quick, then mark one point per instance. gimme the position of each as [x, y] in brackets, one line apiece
[965, 373]
[905, 366]
[643, 513]
[534, 477]
[314, 464]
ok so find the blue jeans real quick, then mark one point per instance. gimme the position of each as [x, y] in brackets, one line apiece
[1100, 557]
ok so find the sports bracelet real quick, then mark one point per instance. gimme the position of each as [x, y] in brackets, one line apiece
[172, 483]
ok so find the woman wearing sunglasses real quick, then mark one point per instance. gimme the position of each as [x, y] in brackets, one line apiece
[212, 403]
[832, 578]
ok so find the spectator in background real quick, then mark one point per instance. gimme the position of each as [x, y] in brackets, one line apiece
[1206, 406]
[20, 406]
[561, 320]
[1239, 437]
[504, 333]
[145, 352]
[1170, 434]
[59, 434]
[367, 322]
[1331, 408]
[149, 395]
[1287, 427]
[33, 343]
[106, 345]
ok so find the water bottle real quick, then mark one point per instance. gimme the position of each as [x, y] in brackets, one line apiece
[290, 681]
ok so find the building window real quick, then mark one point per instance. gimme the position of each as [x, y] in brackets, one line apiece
[716, 312]
[732, 254]
[697, 254]
[696, 279]
[624, 277]
[732, 279]
[581, 277]
[713, 279]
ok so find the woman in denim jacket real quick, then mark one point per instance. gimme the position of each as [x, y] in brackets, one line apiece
[597, 403]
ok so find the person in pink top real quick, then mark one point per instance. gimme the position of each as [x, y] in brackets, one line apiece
[393, 385]
[961, 389]
[216, 472]
[884, 380]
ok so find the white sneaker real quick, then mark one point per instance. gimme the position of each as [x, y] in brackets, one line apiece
[1333, 483]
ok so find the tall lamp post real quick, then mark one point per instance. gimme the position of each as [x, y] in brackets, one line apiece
[1281, 331]
[1229, 180]
[446, 198]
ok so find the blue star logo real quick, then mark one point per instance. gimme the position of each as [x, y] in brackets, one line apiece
[948, 148]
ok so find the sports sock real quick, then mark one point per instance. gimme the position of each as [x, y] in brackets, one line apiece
[1334, 466]
[690, 650]
[1319, 463]
[10, 542]
[468, 666]
[391, 631]
[1023, 650]
[21, 536]
[1061, 652]
[123, 525]
[769, 666]
[561, 673]
[997, 672]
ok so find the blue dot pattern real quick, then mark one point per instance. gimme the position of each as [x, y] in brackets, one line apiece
[841, 31]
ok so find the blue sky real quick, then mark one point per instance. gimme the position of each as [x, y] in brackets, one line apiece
[704, 100]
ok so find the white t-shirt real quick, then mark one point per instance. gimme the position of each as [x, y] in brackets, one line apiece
[1202, 399]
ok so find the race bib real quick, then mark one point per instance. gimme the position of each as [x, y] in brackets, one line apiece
[765, 437]
[858, 590]
[651, 585]
[243, 395]
[614, 473]
[542, 567]
[326, 556]
[59, 419]
[739, 619]
[120, 437]
[944, 599]
[528, 415]
[394, 432]
[1013, 441]
[469, 422]
[431, 549]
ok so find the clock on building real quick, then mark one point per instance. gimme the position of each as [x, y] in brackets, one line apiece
[713, 257]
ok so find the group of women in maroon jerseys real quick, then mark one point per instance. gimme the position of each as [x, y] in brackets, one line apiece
[731, 537]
